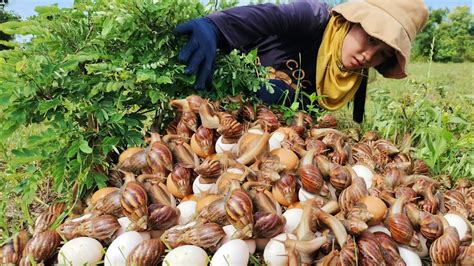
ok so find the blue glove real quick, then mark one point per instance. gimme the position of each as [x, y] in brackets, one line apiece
[199, 53]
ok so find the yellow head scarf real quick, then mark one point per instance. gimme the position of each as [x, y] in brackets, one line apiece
[335, 85]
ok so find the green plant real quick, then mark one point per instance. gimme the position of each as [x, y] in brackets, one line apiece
[440, 131]
[91, 81]
[4, 38]
[453, 32]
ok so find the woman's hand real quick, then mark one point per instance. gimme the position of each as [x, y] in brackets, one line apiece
[199, 53]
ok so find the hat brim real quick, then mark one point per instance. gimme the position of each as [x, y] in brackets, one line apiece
[381, 25]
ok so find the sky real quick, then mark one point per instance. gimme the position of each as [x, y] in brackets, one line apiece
[25, 8]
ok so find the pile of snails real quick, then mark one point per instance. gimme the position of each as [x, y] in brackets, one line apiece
[226, 187]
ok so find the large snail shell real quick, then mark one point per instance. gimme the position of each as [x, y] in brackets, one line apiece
[385, 147]
[369, 251]
[203, 235]
[352, 194]
[389, 248]
[158, 193]
[229, 127]
[268, 225]
[67, 230]
[311, 178]
[134, 203]
[42, 246]
[445, 249]
[132, 159]
[109, 204]
[179, 181]
[101, 228]
[190, 120]
[247, 113]
[265, 202]
[209, 169]
[431, 226]
[339, 177]
[19, 242]
[465, 255]
[239, 210]
[159, 156]
[162, 217]
[214, 212]
[284, 190]
[44, 222]
[8, 255]
[183, 130]
[400, 228]
[348, 253]
[355, 226]
[267, 119]
[146, 253]
[203, 144]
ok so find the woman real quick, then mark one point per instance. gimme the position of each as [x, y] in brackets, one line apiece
[310, 46]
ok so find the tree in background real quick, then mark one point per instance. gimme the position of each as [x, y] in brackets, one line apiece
[450, 32]
[4, 17]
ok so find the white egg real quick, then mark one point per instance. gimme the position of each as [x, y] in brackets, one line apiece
[186, 255]
[458, 222]
[379, 228]
[275, 140]
[255, 130]
[230, 230]
[188, 211]
[80, 251]
[275, 253]
[124, 223]
[118, 251]
[199, 187]
[293, 219]
[409, 257]
[304, 195]
[235, 253]
[223, 147]
[364, 172]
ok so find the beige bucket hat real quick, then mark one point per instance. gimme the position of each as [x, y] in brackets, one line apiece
[395, 22]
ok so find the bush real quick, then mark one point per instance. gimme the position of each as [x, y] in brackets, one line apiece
[4, 38]
[92, 79]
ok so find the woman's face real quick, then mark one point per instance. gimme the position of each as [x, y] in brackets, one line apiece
[360, 50]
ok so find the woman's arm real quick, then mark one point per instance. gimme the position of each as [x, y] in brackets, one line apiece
[241, 26]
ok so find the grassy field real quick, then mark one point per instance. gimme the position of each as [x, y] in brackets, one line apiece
[435, 105]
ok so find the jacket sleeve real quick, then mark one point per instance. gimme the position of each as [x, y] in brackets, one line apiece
[246, 25]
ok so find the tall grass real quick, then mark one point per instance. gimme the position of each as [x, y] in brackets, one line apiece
[435, 105]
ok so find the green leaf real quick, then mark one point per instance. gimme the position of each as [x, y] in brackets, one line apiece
[84, 147]
[97, 68]
[73, 149]
[4, 99]
[109, 143]
[47, 10]
[107, 26]
[154, 96]
[45, 106]
[164, 80]
[145, 74]
[295, 106]
[24, 156]
[100, 179]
